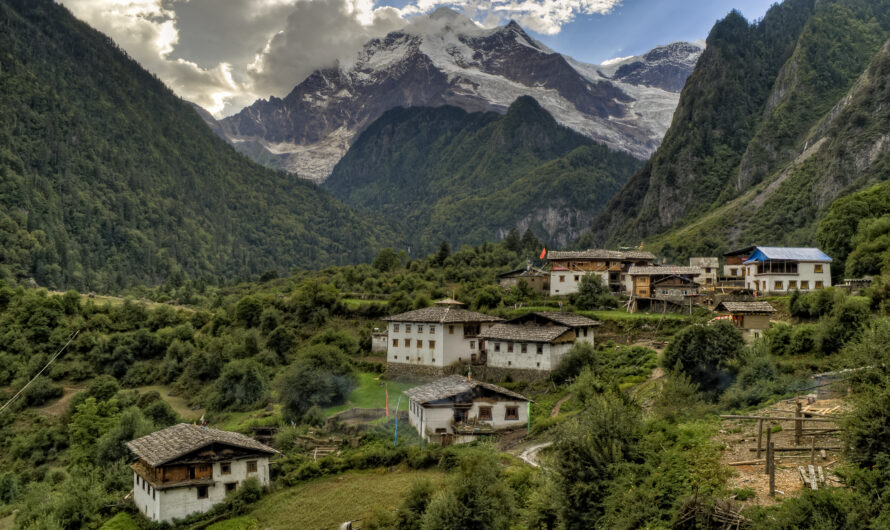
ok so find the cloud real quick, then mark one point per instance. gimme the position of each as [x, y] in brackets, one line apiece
[318, 34]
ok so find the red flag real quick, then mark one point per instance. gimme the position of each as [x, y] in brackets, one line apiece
[544, 253]
[387, 400]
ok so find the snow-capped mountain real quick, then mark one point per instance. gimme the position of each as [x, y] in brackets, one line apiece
[445, 58]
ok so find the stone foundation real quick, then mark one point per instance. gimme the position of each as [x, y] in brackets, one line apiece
[492, 374]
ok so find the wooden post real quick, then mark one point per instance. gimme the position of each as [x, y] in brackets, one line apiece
[813, 452]
[798, 425]
[759, 436]
[769, 435]
[770, 457]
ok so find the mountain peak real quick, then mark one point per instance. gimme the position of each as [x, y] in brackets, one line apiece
[445, 13]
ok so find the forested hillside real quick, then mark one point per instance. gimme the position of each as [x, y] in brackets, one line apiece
[779, 119]
[107, 179]
[444, 174]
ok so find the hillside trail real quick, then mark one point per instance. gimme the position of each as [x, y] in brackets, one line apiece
[555, 411]
[530, 455]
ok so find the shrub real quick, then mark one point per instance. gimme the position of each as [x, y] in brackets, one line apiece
[705, 354]
[41, 391]
[243, 385]
[593, 293]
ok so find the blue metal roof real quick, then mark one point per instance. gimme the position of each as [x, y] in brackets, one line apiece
[788, 253]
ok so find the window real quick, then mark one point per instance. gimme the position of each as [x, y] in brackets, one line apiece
[562, 278]
[539, 364]
[154, 495]
[472, 344]
[202, 492]
[434, 359]
[497, 346]
[512, 413]
[451, 330]
[523, 348]
[584, 332]
[395, 343]
[407, 343]
[733, 272]
[804, 284]
[407, 328]
[540, 348]
[230, 486]
[419, 329]
[432, 344]
[432, 329]
[485, 413]
[819, 284]
[778, 285]
[395, 356]
[395, 327]
[818, 268]
[251, 466]
[792, 284]
[509, 347]
[509, 363]
[577, 277]
[225, 468]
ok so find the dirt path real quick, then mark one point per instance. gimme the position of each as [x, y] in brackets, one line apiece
[60, 406]
[530, 455]
[555, 411]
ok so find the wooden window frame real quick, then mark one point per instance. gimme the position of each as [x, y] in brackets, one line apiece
[540, 348]
[432, 344]
[817, 268]
[203, 492]
[225, 468]
[509, 347]
[485, 414]
[820, 284]
[523, 347]
[511, 413]
[252, 466]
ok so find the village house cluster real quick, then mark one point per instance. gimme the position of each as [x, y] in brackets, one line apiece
[430, 342]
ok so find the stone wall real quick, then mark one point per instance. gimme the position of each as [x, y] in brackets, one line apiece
[492, 374]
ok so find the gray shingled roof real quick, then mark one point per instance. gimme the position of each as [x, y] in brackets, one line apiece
[452, 386]
[524, 332]
[168, 444]
[567, 319]
[746, 307]
[665, 270]
[441, 314]
[600, 254]
[533, 271]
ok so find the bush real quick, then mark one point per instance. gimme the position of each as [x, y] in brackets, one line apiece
[243, 385]
[40, 392]
[705, 354]
[321, 376]
[593, 293]
[581, 355]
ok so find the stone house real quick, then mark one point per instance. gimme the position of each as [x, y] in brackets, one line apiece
[568, 267]
[424, 342]
[535, 341]
[779, 270]
[734, 264]
[538, 280]
[456, 409]
[709, 267]
[185, 469]
[751, 317]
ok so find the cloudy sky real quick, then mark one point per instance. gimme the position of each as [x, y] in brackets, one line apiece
[224, 54]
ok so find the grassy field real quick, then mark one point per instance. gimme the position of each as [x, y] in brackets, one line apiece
[371, 394]
[179, 403]
[326, 502]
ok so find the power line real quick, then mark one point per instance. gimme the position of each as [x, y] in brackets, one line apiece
[54, 357]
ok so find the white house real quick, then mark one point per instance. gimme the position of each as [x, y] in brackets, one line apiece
[426, 341]
[185, 469]
[456, 409]
[536, 341]
[569, 266]
[776, 270]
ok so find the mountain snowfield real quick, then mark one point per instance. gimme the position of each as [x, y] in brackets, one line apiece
[445, 58]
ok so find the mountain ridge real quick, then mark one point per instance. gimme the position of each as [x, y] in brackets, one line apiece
[448, 60]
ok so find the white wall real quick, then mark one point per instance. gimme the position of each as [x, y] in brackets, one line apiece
[449, 347]
[427, 419]
[805, 273]
[176, 503]
[571, 280]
